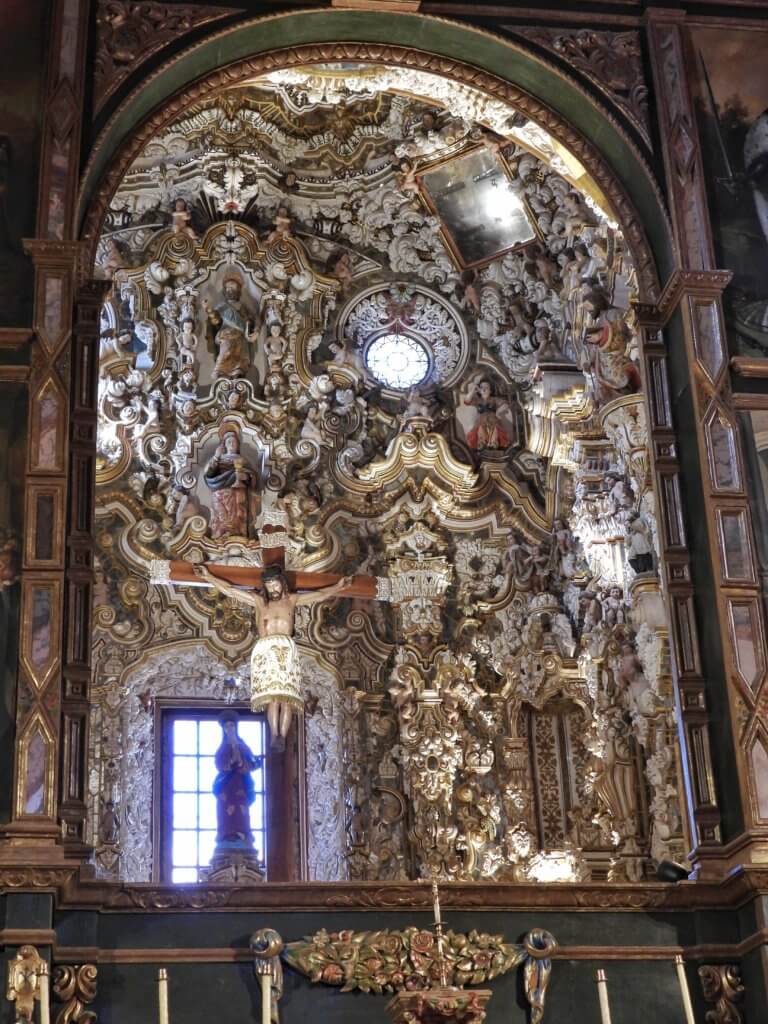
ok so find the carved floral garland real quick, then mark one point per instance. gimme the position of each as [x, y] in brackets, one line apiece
[388, 961]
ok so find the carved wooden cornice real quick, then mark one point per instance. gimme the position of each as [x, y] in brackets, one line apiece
[612, 61]
[76, 889]
[745, 366]
[15, 338]
[130, 32]
[14, 374]
[701, 283]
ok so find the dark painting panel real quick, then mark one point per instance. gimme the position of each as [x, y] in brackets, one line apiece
[731, 97]
[23, 28]
[13, 420]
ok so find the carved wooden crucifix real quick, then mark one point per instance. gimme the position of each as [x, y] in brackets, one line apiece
[275, 665]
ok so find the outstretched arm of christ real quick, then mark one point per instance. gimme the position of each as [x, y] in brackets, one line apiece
[301, 583]
[313, 596]
[247, 597]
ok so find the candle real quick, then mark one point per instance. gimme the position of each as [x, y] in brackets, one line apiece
[266, 998]
[602, 992]
[45, 995]
[436, 903]
[689, 1018]
[162, 994]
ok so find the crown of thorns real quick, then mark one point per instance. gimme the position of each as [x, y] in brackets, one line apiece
[272, 572]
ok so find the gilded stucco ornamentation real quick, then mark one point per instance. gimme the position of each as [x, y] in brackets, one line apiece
[722, 985]
[502, 505]
[75, 986]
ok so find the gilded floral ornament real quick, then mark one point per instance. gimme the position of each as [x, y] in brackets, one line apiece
[391, 961]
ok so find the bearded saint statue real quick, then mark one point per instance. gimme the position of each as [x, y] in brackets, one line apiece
[232, 327]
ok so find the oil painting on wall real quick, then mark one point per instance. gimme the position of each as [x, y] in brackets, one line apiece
[731, 96]
[22, 33]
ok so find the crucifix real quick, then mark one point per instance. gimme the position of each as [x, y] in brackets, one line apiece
[275, 665]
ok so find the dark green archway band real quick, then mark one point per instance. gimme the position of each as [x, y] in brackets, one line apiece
[437, 36]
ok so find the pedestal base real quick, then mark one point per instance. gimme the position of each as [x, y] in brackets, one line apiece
[439, 1005]
[234, 865]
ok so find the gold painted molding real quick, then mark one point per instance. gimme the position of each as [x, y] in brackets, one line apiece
[27, 937]
[14, 374]
[15, 337]
[746, 366]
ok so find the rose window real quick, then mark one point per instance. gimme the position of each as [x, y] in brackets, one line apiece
[397, 360]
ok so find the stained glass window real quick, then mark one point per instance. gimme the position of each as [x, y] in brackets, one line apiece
[397, 360]
[192, 739]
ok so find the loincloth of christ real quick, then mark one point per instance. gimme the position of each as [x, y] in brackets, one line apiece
[275, 672]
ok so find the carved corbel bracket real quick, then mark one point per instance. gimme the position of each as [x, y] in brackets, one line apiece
[25, 982]
[74, 987]
[722, 986]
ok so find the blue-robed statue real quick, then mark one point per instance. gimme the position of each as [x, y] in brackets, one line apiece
[233, 787]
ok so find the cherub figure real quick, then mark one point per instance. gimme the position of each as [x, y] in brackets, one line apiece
[275, 345]
[613, 607]
[181, 219]
[407, 182]
[488, 431]
[187, 343]
[113, 259]
[282, 223]
[466, 290]
[340, 267]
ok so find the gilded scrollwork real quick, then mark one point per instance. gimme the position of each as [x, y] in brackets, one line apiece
[75, 986]
[722, 985]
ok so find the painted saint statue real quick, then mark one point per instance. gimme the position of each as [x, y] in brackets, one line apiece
[275, 665]
[232, 482]
[232, 327]
[233, 786]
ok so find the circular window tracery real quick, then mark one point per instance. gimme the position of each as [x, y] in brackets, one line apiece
[397, 360]
[407, 334]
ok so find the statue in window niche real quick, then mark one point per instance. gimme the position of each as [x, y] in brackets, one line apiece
[232, 326]
[487, 432]
[233, 483]
[233, 786]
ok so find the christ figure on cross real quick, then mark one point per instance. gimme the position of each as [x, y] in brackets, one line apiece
[275, 665]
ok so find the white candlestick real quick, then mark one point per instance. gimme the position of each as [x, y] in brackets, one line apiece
[602, 993]
[436, 903]
[689, 1018]
[266, 998]
[162, 994]
[45, 995]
